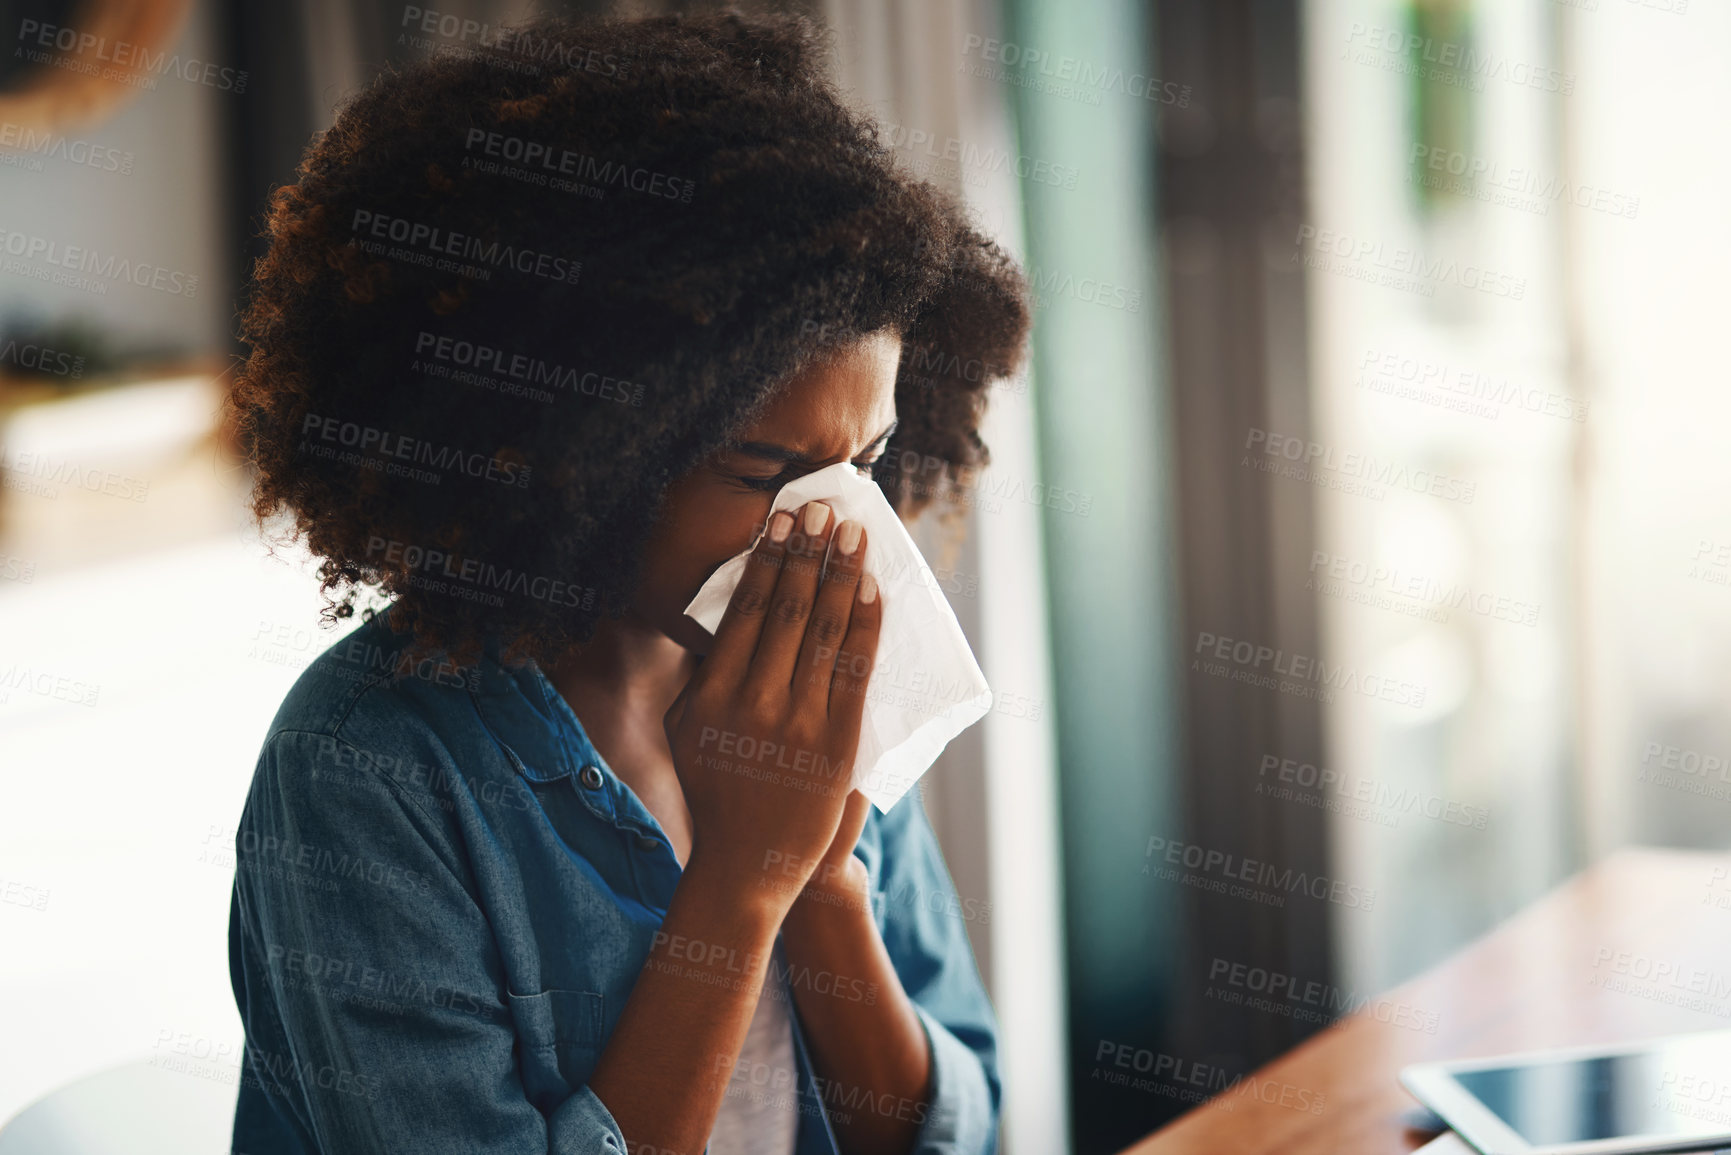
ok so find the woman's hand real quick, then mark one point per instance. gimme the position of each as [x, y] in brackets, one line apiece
[841, 879]
[764, 735]
[874, 1047]
[763, 740]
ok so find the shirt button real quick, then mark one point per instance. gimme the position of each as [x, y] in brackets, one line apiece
[591, 777]
[647, 842]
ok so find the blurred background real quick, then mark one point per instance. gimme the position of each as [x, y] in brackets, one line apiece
[1364, 514]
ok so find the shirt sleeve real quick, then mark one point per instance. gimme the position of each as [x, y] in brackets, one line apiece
[365, 972]
[925, 931]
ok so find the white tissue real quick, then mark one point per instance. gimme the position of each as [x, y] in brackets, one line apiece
[925, 687]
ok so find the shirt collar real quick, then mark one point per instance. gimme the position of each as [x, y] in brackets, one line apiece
[526, 714]
[542, 736]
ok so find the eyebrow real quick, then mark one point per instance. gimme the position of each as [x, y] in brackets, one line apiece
[773, 452]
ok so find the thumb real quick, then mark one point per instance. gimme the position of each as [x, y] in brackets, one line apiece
[675, 714]
[853, 819]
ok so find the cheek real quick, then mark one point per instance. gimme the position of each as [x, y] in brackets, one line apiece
[701, 532]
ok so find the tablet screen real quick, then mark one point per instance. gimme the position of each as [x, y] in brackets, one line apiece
[1682, 1089]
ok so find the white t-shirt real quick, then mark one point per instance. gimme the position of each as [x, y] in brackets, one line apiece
[760, 1112]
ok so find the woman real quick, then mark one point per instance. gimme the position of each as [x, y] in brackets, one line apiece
[541, 330]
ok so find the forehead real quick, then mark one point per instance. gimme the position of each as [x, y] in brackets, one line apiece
[837, 405]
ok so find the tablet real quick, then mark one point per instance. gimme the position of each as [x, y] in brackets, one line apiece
[1665, 1094]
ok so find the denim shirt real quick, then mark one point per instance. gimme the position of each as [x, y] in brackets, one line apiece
[444, 895]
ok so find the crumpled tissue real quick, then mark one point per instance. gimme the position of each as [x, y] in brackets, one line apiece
[925, 687]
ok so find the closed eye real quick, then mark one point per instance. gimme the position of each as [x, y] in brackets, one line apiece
[782, 453]
[771, 484]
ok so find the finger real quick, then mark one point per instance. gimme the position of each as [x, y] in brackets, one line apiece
[854, 664]
[830, 616]
[791, 605]
[742, 622]
[853, 817]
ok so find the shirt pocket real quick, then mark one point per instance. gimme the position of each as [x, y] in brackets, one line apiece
[559, 1041]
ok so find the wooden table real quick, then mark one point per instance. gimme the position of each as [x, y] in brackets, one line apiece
[1610, 956]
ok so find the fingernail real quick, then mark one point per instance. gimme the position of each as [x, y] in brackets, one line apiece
[868, 588]
[780, 526]
[816, 517]
[847, 537]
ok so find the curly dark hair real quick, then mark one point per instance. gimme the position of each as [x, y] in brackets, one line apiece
[628, 233]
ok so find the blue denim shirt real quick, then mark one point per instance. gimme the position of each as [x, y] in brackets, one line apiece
[443, 896]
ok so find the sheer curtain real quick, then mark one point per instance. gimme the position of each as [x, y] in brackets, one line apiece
[992, 796]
